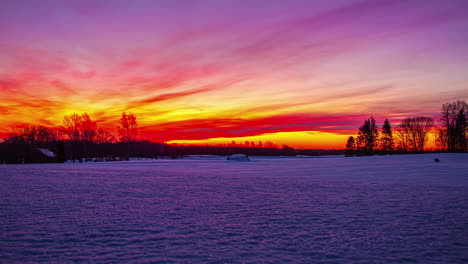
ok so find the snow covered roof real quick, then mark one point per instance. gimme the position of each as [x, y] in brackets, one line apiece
[238, 157]
[46, 152]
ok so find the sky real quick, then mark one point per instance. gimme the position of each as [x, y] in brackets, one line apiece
[301, 73]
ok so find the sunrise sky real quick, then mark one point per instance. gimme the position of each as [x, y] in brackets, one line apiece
[303, 73]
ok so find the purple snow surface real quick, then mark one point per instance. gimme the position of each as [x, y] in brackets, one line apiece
[393, 209]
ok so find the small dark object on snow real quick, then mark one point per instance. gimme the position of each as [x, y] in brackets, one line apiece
[436, 160]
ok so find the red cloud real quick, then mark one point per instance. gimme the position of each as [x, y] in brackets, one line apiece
[232, 127]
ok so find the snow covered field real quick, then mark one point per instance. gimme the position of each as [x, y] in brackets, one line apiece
[381, 209]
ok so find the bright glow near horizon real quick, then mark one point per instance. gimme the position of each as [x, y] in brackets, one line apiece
[302, 73]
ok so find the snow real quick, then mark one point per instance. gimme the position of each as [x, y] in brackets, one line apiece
[46, 152]
[380, 209]
[238, 157]
[202, 157]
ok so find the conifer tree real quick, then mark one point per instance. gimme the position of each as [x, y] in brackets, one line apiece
[367, 137]
[386, 140]
[460, 128]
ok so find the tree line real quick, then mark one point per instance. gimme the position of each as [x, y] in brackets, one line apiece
[412, 133]
[80, 139]
[76, 127]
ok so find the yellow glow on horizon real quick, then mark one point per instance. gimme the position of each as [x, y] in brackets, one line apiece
[300, 140]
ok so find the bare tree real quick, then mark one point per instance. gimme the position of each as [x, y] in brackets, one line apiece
[88, 128]
[81, 130]
[413, 132]
[128, 129]
[47, 135]
[103, 136]
[452, 133]
[38, 135]
[72, 126]
[402, 138]
[79, 127]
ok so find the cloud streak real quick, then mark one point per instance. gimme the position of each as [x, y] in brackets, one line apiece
[196, 129]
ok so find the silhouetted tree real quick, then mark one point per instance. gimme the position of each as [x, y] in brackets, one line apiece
[38, 136]
[287, 151]
[367, 137]
[269, 144]
[413, 132]
[81, 131]
[402, 138]
[88, 128]
[386, 139]
[460, 131]
[72, 126]
[452, 133]
[350, 147]
[128, 129]
[260, 144]
[103, 136]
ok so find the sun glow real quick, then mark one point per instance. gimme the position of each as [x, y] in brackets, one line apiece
[299, 139]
